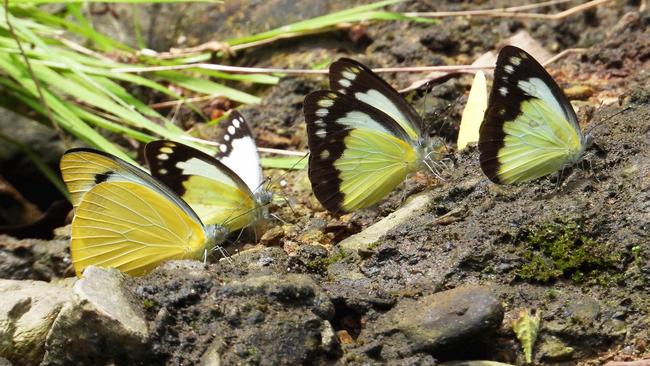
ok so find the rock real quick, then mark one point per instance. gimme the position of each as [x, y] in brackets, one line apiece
[272, 320]
[475, 363]
[552, 349]
[440, 40]
[33, 259]
[211, 357]
[102, 326]
[366, 239]
[329, 340]
[344, 337]
[578, 92]
[27, 311]
[438, 324]
[259, 259]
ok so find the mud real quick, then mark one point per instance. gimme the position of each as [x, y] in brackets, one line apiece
[574, 246]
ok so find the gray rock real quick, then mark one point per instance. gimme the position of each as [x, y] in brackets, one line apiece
[103, 326]
[436, 324]
[27, 311]
[272, 320]
[33, 259]
[552, 349]
[414, 207]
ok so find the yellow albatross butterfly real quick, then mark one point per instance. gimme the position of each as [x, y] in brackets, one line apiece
[364, 138]
[216, 192]
[473, 113]
[125, 219]
[530, 128]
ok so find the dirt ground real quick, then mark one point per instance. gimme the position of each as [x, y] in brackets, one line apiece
[575, 249]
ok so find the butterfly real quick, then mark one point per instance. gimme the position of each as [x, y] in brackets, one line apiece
[474, 112]
[364, 138]
[126, 219]
[530, 129]
[226, 189]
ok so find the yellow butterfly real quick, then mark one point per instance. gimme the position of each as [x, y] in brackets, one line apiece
[530, 128]
[473, 113]
[126, 219]
[364, 138]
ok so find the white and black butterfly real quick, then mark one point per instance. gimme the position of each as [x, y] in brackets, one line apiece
[530, 128]
[225, 189]
[364, 138]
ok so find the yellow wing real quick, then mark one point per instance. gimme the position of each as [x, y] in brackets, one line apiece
[132, 227]
[84, 168]
[474, 111]
[216, 193]
[538, 142]
[217, 202]
[372, 165]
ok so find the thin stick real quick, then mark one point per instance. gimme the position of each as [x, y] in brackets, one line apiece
[173, 103]
[511, 9]
[511, 14]
[562, 54]
[262, 70]
[261, 149]
[269, 150]
[37, 82]
[645, 362]
[81, 49]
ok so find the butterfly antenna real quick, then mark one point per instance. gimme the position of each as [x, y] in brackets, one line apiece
[224, 253]
[279, 219]
[293, 167]
[600, 123]
[290, 205]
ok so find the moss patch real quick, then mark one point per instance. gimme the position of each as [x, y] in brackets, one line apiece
[563, 250]
[320, 265]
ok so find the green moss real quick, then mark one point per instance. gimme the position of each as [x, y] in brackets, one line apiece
[374, 245]
[148, 303]
[563, 250]
[320, 265]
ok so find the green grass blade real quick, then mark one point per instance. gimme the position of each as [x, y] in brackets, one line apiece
[285, 162]
[207, 87]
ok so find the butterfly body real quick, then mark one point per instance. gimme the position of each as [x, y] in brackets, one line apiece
[126, 219]
[364, 139]
[530, 129]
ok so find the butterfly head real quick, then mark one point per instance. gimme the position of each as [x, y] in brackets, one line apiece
[263, 197]
[215, 235]
[589, 141]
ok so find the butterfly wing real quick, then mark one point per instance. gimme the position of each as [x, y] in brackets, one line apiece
[356, 80]
[474, 111]
[238, 151]
[530, 129]
[358, 154]
[84, 168]
[214, 191]
[132, 227]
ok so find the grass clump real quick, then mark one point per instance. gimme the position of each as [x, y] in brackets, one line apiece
[563, 250]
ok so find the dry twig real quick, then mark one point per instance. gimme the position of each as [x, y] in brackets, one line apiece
[510, 13]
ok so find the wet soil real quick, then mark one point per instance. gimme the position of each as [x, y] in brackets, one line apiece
[574, 246]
